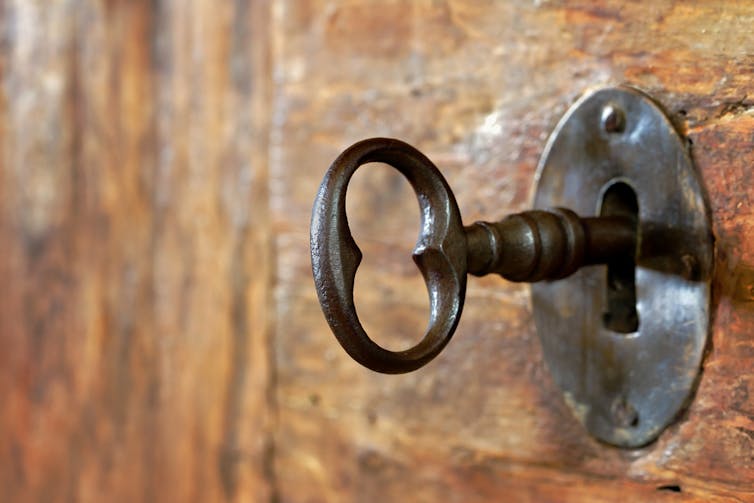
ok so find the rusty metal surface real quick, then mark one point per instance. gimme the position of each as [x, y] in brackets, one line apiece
[627, 387]
[530, 246]
[624, 342]
[440, 254]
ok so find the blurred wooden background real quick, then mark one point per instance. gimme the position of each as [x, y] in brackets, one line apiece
[160, 337]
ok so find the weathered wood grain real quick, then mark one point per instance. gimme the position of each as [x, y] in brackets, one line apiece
[134, 361]
[478, 86]
[160, 338]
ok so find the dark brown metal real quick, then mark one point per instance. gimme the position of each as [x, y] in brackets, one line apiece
[530, 246]
[541, 245]
[623, 340]
[440, 254]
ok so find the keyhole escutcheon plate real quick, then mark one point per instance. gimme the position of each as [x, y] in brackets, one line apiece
[627, 371]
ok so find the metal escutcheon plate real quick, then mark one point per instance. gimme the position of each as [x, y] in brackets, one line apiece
[627, 387]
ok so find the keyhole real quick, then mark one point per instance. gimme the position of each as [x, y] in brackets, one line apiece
[621, 316]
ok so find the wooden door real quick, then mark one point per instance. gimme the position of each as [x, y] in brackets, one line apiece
[160, 336]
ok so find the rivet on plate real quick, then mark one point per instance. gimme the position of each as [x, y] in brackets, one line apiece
[613, 119]
[624, 414]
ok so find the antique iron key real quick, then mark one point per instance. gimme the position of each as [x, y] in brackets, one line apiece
[624, 341]
[531, 246]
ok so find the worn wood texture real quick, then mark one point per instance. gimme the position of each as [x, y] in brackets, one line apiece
[478, 86]
[160, 338]
[134, 361]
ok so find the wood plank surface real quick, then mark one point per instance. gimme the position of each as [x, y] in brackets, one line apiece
[134, 361]
[478, 86]
[160, 336]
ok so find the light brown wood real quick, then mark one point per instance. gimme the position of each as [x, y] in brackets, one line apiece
[133, 313]
[478, 86]
[160, 337]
